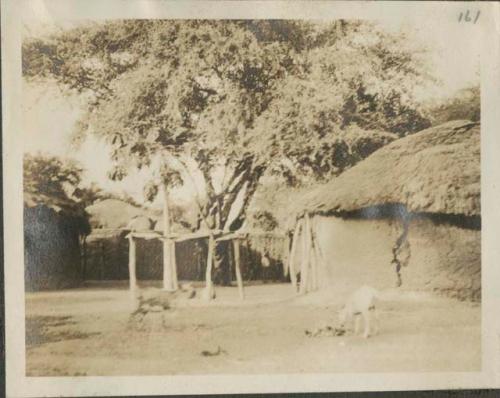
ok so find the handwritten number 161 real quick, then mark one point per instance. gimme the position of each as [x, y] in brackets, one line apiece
[466, 17]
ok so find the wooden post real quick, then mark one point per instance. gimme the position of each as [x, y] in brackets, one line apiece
[239, 279]
[314, 260]
[101, 271]
[84, 259]
[131, 264]
[174, 266]
[168, 280]
[305, 263]
[291, 259]
[286, 257]
[209, 293]
[314, 270]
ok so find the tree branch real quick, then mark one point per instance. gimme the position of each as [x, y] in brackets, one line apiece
[202, 213]
[238, 171]
[251, 187]
[231, 195]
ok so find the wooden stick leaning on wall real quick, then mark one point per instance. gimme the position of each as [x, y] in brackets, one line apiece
[314, 254]
[309, 255]
[305, 263]
[291, 259]
[320, 259]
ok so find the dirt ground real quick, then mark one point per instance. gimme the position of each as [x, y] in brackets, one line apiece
[89, 331]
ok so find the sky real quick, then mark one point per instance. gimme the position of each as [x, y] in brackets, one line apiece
[49, 117]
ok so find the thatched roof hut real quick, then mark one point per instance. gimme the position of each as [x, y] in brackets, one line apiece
[434, 171]
[411, 210]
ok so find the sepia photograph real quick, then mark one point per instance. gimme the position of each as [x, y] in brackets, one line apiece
[250, 196]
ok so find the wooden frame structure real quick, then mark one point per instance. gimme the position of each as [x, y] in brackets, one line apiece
[305, 234]
[213, 236]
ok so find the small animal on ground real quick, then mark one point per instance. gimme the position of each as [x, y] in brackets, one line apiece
[361, 305]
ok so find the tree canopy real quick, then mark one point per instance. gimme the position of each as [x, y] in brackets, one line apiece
[225, 102]
[464, 105]
[54, 183]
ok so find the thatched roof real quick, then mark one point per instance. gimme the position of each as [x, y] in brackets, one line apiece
[436, 170]
[64, 208]
[119, 215]
[114, 213]
[140, 223]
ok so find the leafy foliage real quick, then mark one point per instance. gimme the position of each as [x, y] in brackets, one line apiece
[52, 182]
[50, 176]
[200, 99]
[264, 220]
[464, 105]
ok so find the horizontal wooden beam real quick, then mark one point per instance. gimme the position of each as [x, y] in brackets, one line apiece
[196, 235]
[144, 235]
[221, 235]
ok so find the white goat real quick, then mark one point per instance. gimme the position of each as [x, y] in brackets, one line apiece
[361, 304]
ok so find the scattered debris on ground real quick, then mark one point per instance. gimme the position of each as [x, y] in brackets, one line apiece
[219, 351]
[46, 329]
[325, 331]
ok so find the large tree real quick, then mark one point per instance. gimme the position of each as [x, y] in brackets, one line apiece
[216, 104]
[354, 94]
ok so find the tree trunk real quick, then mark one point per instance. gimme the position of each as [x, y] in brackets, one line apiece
[250, 189]
[168, 274]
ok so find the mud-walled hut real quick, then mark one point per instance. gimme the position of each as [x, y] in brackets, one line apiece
[54, 235]
[409, 216]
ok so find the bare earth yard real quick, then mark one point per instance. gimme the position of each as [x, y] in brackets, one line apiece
[88, 332]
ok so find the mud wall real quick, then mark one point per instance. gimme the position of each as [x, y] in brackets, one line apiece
[52, 258]
[445, 259]
[356, 252]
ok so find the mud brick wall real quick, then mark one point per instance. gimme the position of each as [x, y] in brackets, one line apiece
[445, 259]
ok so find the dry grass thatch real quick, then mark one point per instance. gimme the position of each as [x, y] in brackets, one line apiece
[115, 213]
[434, 171]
